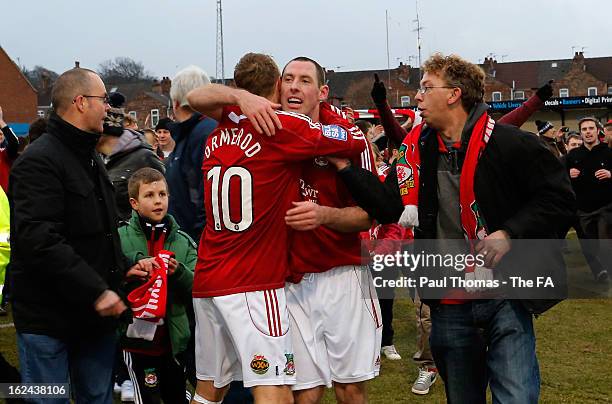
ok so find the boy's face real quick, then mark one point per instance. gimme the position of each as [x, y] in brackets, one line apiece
[152, 202]
[163, 136]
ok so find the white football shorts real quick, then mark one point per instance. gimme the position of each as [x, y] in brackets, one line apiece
[336, 327]
[244, 336]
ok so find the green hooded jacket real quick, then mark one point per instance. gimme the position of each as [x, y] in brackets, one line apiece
[134, 246]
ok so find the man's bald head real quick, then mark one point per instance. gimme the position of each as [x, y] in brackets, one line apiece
[70, 84]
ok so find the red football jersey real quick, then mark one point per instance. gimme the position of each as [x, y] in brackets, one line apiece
[250, 181]
[323, 248]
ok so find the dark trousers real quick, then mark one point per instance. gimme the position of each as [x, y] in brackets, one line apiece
[87, 364]
[120, 372]
[6, 291]
[485, 342]
[156, 378]
[594, 230]
[9, 374]
[386, 312]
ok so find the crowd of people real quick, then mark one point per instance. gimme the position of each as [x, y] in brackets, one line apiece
[223, 247]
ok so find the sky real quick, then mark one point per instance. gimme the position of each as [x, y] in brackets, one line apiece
[342, 35]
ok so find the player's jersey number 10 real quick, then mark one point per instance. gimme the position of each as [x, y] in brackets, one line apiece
[220, 198]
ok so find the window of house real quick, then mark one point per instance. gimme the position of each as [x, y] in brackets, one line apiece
[405, 101]
[592, 91]
[519, 95]
[610, 90]
[553, 64]
[154, 117]
[563, 92]
[132, 114]
[497, 96]
[41, 113]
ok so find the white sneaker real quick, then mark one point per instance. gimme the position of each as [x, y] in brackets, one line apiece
[127, 391]
[391, 353]
[425, 379]
[116, 388]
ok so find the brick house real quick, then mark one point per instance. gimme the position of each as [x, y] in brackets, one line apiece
[353, 88]
[17, 95]
[582, 87]
[147, 102]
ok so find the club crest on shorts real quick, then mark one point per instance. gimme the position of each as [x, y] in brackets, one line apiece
[377, 362]
[289, 365]
[260, 364]
[150, 378]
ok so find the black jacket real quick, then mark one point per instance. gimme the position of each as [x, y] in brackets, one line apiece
[519, 185]
[591, 193]
[65, 250]
[123, 164]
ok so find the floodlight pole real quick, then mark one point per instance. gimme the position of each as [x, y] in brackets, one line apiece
[220, 71]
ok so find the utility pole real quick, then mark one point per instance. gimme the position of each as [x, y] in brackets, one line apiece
[418, 31]
[388, 61]
[220, 72]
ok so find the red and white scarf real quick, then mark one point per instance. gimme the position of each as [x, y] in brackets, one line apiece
[148, 301]
[472, 222]
[408, 174]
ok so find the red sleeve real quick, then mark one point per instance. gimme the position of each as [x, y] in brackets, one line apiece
[393, 130]
[302, 139]
[518, 116]
[388, 238]
[330, 115]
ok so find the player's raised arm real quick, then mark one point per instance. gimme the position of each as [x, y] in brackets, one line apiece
[211, 98]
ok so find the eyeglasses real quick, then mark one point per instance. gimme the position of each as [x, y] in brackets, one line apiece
[424, 90]
[104, 97]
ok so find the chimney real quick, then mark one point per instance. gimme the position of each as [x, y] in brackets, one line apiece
[44, 80]
[489, 66]
[578, 61]
[403, 72]
[166, 83]
[156, 87]
[77, 64]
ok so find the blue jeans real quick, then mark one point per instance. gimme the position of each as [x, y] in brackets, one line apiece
[87, 364]
[485, 342]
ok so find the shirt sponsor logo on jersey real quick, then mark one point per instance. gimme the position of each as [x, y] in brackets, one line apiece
[259, 364]
[335, 132]
[308, 192]
[290, 365]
